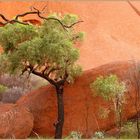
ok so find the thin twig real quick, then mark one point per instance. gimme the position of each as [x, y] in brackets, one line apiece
[44, 8]
[35, 12]
[4, 18]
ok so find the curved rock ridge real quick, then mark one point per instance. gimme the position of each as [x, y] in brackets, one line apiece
[81, 106]
[15, 121]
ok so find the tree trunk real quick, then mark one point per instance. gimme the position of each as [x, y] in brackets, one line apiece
[60, 119]
[119, 123]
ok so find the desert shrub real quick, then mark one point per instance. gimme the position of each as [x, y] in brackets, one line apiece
[13, 81]
[12, 87]
[129, 130]
[111, 89]
[108, 87]
[13, 94]
[2, 88]
[99, 135]
[74, 135]
[16, 86]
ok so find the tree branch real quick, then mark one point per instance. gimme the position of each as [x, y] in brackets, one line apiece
[23, 71]
[44, 8]
[1, 24]
[51, 70]
[41, 75]
[25, 14]
[63, 80]
[43, 71]
[4, 18]
[35, 12]
[134, 8]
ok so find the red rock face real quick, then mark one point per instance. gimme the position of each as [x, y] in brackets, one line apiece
[112, 27]
[81, 107]
[15, 122]
[112, 33]
[33, 21]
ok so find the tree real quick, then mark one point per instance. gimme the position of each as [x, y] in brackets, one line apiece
[46, 51]
[111, 89]
[134, 78]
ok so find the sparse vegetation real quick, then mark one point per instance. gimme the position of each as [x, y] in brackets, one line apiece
[111, 89]
[36, 55]
[46, 51]
[99, 135]
[2, 88]
[128, 131]
[14, 86]
[74, 135]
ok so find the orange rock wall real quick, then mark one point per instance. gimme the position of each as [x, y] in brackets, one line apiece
[112, 33]
[16, 122]
[112, 27]
[81, 107]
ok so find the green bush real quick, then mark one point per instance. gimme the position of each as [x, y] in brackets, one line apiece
[74, 135]
[99, 135]
[2, 88]
[129, 130]
[111, 89]
[108, 86]
[12, 87]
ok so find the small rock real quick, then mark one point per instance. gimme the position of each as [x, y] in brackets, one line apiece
[15, 121]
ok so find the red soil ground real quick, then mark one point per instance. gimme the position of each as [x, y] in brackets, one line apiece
[112, 27]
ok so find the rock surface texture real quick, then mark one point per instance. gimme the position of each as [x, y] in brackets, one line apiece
[112, 28]
[15, 121]
[112, 34]
[82, 108]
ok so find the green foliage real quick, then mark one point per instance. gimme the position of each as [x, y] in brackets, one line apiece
[129, 130]
[4, 63]
[108, 87]
[73, 72]
[111, 89]
[38, 45]
[74, 135]
[13, 34]
[99, 135]
[3, 88]
[69, 19]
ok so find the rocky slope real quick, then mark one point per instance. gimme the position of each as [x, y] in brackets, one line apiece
[82, 108]
[15, 121]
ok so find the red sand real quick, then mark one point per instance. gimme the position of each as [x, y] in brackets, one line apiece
[112, 27]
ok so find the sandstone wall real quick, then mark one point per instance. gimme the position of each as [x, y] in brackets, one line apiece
[112, 27]
[81, 107]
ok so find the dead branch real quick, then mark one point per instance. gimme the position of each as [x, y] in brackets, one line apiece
[52, 70]
[134, 8]
[35, 12]
[4, 18]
